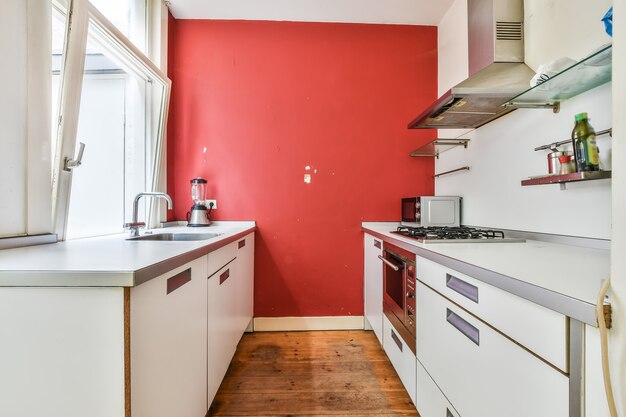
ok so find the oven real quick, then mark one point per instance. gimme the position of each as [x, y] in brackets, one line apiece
[399, 291]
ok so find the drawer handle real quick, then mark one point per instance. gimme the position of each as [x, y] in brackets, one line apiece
[462, 287]
[377, 243]
[449, 413]
[224, 276]
[397, 340]
[242, 243]
[178, 280]
[391, 264]
[471, 332]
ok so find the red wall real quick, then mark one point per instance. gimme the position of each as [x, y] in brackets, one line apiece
[267, 99]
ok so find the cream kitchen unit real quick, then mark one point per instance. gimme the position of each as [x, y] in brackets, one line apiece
[110, 327]
[501, 328]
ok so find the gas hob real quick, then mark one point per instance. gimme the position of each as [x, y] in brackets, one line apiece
[461, 234]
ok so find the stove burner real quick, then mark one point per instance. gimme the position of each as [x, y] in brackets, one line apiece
[461, 232]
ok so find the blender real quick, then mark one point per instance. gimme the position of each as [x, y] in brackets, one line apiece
[199, 216]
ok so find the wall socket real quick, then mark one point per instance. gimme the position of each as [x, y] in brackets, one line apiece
[208, 204]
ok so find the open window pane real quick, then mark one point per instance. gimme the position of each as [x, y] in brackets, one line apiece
[59, 23]
[114, 100]
[128, 16]
[115, 124]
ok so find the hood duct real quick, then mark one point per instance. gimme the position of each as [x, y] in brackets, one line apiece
[496, 67]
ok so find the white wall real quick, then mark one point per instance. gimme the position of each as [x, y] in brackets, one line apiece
[557, 28]
[501, 153]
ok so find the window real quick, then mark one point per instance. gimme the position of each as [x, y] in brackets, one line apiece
[113, 101]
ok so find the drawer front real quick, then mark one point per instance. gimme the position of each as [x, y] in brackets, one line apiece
[401, 357]
[537, 328]
[480, 371]
[430, 400]
[220, 257]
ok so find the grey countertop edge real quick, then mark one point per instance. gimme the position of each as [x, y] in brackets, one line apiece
[88, 279]
[154, 270]
[561, 303]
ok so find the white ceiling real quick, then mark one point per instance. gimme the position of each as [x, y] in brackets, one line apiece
[409, 12]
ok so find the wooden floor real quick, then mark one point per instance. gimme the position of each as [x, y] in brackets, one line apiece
[329, 373]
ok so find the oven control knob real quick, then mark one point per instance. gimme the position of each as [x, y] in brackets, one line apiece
[418, 205]
[410, 295]
[418, 216]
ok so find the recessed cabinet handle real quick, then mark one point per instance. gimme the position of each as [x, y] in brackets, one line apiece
[396, 339]
[224, 276]
[471, 332]
[449, 413]
[377, 243]
[178, 280]
[391, 264]
[242, 243]
[462, 287]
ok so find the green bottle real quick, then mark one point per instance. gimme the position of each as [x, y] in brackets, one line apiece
[584, 142]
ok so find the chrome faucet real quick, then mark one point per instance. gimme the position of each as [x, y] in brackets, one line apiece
[135, 225]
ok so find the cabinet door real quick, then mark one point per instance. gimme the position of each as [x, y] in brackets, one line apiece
[400, 356]
[481, 372]
[245, 282]
[430, 400]
[222, 334]
[168, 325]
[373, 286]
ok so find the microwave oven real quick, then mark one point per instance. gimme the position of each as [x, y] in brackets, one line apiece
[431, 211]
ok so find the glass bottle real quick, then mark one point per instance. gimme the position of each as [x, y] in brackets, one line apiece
[585, 147]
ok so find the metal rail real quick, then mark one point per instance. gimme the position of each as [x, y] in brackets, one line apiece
[466, 168]
[563, 142]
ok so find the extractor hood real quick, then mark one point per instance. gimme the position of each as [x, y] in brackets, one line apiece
[496, 67]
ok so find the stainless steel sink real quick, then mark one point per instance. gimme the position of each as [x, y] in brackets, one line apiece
[170, 237]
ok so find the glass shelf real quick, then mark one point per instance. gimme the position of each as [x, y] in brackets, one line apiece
[565, 178]
[589, 73]
[439, 146]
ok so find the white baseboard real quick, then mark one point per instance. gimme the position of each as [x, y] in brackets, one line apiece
[283, 324]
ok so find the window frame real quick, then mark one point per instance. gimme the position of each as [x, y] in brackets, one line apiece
[82, 16]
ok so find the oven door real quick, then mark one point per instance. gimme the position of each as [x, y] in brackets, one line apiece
[393, 289]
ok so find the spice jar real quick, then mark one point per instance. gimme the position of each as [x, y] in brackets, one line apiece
[566, 165]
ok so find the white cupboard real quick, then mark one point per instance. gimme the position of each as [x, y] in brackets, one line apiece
[373, 285]
[221, 333]
[245, 282]
[401, 357]
[482, 372]
[430, 401]
[168, 323]
[229, 295]
[541, 330]
[61, 352]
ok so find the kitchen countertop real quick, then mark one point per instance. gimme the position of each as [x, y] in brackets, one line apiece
[110, 261]
[563, 278]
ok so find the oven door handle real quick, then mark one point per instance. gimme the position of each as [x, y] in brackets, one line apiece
[390, 264]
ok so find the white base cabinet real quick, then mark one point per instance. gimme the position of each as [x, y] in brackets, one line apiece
[401, 357]
[245, 282]
[373, 285]
[229, 294]
[221, 336]
[168, 343]
[61, 352]
[430, 400]
[481, 372]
